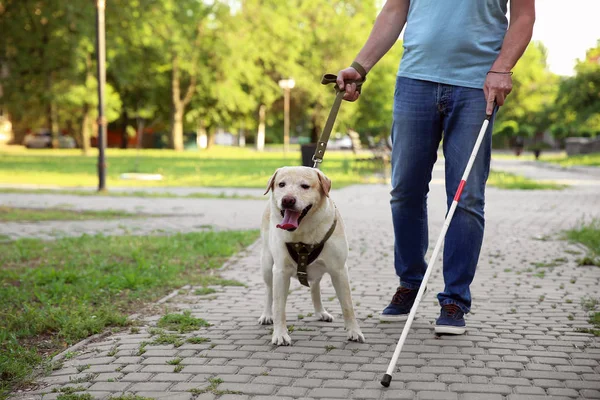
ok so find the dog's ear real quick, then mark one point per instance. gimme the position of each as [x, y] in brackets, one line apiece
[271, 183]
[325, 182]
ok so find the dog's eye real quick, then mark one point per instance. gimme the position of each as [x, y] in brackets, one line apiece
[305, 186]
[281, 184]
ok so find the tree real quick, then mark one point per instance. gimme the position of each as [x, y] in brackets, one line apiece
[578, 103]
[184, 34]
[48, 48]
[374, 110]
[328, 46]
[528, 107]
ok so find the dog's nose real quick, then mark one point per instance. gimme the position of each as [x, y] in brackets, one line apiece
[288, 201]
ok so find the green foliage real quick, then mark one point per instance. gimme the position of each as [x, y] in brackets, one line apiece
[528, 107]
[507, 180]
[591, 160]
[181, 322]
[217, 167]
[24, 214]
[52, 296]
[374, 112]
[589, 235]
[204, 291]
[190, 65]
[578, 105]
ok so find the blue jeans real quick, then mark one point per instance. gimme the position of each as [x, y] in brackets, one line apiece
[423, 113]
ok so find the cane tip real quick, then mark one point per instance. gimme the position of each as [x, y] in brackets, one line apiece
[386, 380]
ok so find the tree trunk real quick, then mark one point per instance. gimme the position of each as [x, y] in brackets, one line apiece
[51, 114]
[176, 138]
[86, 130]
[211, 137]
[201, 137]
[316, 129]
[179, 104]
[140, 132]
[124, 134]
[260, 135]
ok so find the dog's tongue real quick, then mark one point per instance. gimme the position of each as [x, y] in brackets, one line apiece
[290, 220]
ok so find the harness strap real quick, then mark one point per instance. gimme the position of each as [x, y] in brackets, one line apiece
[304, 254]
[322, 143]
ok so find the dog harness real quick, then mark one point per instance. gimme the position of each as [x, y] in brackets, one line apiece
[304, 254]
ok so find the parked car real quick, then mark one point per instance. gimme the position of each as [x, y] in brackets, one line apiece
[43, 140]
[341, 143]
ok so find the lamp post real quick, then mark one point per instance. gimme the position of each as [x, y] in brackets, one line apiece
[101, 61]
[286, 85]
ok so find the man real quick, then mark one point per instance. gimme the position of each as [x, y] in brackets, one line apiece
[458, 56]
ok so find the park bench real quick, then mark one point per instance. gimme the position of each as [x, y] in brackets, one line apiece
[377, 154]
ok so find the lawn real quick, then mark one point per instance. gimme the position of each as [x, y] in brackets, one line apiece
[589, 236]
[587, 160]
[128, 193]
[217, 167]
[11, 214]
[507, 180]
[52, 296]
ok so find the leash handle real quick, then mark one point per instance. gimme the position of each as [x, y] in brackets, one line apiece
[332, 78]
[328, 79]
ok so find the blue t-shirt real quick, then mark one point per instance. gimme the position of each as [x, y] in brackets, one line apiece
[453, 41]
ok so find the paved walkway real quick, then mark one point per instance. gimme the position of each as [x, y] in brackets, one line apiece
[522, 340]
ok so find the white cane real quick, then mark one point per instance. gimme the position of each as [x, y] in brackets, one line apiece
[387, 378]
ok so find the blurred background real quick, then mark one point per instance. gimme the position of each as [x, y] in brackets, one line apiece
[196, 75]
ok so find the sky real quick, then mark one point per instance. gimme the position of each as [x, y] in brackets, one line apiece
[567, 28]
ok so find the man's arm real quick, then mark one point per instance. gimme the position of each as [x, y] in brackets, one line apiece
[385, 32]
[522, 18]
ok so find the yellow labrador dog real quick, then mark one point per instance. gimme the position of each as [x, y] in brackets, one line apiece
[300, 213]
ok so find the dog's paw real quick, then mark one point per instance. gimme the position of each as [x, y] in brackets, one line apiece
[355, 335]
[281, 339]
[325, 316]
[265, 320]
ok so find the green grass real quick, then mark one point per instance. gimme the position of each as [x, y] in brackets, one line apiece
[182, 323]
[135, 193]
[507, 180]
[204, 291]
[217, 167]
[589, 236]
[590, 305]
[197, 340]
[55, 293]
[11, 214]
[74, 396]
[588, 160]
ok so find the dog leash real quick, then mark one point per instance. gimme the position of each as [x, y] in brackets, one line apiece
[304, 254]
[322, 143]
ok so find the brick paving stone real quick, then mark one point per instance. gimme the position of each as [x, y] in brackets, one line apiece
[563, 392]
[167, 395]
[248, 388]
[110, 386]
[329, 393]
[149, 386]
[590, 394]
[531, 351]
[172, 377]
[292, 391]
[479, 396]
[468, 387]
[425, 395]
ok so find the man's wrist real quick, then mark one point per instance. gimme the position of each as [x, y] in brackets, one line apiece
[359, 68]
[501, 67]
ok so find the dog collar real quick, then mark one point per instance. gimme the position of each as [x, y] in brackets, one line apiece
[304, 254]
